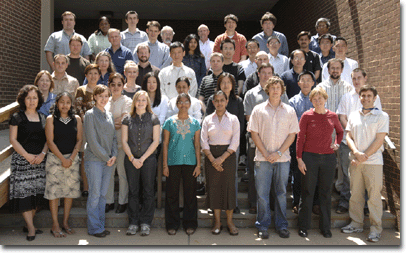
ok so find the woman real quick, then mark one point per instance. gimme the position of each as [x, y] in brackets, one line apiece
[45, 83]
[235, 106]
[100, 155]
[28, 175]
[193, 57]
[140, 139]
[131, 71]
[317, 161]
[159, 102]
[220, 139]
[106, 67]
[99, 40]
[119, 105]
[83, 102]
[64, 138]
[181, 158]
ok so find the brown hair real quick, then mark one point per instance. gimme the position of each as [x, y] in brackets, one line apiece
[318, 90]
[99, 89]
[76, 38]
[272, 81]
[91, 67]
[21, 96]
[153, 23]
[113, 76]
[268, 17]
[40, 74]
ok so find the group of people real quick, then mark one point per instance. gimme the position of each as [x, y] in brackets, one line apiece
[232, 100]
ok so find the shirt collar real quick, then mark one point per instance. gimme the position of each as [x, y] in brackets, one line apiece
[332, 83]
[233, 37]
[64, 32]
[64, 76]
[225, 114]
[304, 96]
[373, 112]
[269, 104]
[206, 42]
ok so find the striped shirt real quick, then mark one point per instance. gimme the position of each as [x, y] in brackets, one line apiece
[335, 91]
[280, 63]
[208, 86]
[130, 40]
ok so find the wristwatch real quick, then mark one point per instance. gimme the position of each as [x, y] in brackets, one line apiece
[279, 153]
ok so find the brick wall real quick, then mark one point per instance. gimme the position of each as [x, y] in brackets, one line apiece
[372, 29]
[19, 47]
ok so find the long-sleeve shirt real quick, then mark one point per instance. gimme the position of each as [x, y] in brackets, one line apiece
[194, 110]
[100, 136]
[300, 103]
[316, 131]
[159, 54]
[262, 39]
[170, 74]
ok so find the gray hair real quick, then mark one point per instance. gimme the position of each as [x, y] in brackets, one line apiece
[327, 21]
[167, 28]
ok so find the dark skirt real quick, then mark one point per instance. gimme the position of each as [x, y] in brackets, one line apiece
[27, 184]
[221, 185]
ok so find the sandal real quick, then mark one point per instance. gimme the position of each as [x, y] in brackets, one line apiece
[68, 230]
[190, 231]
[233, 231]
[57, 234]
[216, 231]
[171, 232]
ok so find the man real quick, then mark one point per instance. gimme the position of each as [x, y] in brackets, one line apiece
[195, 108]
[349, 103]
[205, 45]
[63, 81]
[228, 49]
[321, 26]
[326, 43]
[77, 63]
[159, 51]
[132, 36]
[335, 86]
[167, 35]
[252, 98]
[249, 65]
[58, 42]
[366, 130]
[301, 103]
[273, 126]
[312, 59]
[268, 22]
[143, 52]
[119, 53]
[277, 60]
[209, 82]
[170, 74]
[290, 77]
[230, 24]
[253, 79]
[340, 48]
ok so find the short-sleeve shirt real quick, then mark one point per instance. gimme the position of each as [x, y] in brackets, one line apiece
[118, 107]
[66, 83]
[140, 132]
[262, 39]
[119, 58]
[237, 71]
[208, 86]
[58, 43]
[290, 79]
[98, 42]
[364, 127]
[130, 40]
[76, 68]
[181, 149]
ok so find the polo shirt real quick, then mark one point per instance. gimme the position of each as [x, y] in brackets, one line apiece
[130, 40]
[58, 43]
[119, 58]
[262, 39]
[240, 42]
[208, 86]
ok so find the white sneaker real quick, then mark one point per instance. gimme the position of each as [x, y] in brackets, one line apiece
[350, 229]
[145, 229]
[132, 229]
[373, 237]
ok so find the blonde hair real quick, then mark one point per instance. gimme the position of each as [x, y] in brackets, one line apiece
[130, 64]
[135, 99]
[318, 90]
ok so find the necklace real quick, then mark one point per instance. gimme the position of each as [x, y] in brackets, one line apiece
[65, 120]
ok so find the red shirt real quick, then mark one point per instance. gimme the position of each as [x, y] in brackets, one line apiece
[316, 132]
[240, 42]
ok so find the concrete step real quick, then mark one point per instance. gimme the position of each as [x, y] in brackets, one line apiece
[78, 219]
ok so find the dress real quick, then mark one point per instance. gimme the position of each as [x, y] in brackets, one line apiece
[27, 182]
[63, 182]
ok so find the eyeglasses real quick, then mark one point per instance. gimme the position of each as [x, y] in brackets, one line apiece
[183, 102]
[322, 26]
[298, 59]
[273, 43]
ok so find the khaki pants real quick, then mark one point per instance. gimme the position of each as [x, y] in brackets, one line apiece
[369, 177]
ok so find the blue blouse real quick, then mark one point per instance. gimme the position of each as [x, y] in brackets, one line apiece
[197, 63]
[102, 79]
[181, 149]
[45, 108]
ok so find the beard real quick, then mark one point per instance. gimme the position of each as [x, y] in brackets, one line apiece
[334, 77]
[143, 59]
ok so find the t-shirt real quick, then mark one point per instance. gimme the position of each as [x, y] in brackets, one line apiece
[76, 68]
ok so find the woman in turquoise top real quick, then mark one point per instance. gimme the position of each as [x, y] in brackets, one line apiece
[181, 158]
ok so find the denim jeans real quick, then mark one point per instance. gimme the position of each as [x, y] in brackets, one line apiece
[98, 178]
[267, 173]
[345, 164]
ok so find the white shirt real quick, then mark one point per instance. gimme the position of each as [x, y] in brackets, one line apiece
[161, 111]
[194, 110]
[335, 92]
[249, 67]
[206, 50]
[280, 63]
[170, 74]
[349, 66]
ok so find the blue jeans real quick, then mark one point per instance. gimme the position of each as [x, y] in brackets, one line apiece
[266, 174]
[98, 178]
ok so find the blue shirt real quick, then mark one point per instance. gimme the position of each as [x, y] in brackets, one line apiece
[324, 59]
[262, 39]
[300, 103]
[314, 44]
[181, 149]
[290, 79]
[197, 63]
[45, 108]
[102, 79]
[119, 58]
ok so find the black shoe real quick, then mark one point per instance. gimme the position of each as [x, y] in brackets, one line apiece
[109, 207]
[101, 234]
[236, 210]
[26, 230]
[302, 233]
[326, 234]
[200, 190]
[295, 209]
[263, 234]
[107, 232]
[341, 210]
[284, 233]
[245, 177]
[85, 193]
[366, 212]
[210, 211]
[253, 210]
[30, 238]
[121, 208]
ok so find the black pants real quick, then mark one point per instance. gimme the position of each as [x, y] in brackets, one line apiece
[190, 216]
[321, 170]
[141, 212]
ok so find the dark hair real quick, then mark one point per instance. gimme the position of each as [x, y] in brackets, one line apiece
[304, 33]
[266, 65]
[297, 50]
[91, 67]
[335, 60]
[183, 95]
[158, 95]
[188, 39]
[227, 40]
[114, 76]
[273, 37]
[220, 92]
[21, 96]
[340, 38]
[326, 36]
[131, 12]
[254, 41]
[368, 88]
[232, 17]
[153, 23]
[54, 110]
[183, 78]
[304, 73]
[231, 78]
[101, 19]
[176, 44]
[76, 38]
[99, 89]
[358, 69]
[268, 17]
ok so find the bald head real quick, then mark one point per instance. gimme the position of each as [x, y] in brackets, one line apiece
[261, 57]
[203, 32]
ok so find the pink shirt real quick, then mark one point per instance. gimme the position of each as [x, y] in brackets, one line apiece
[273, 126]
[225, 132]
